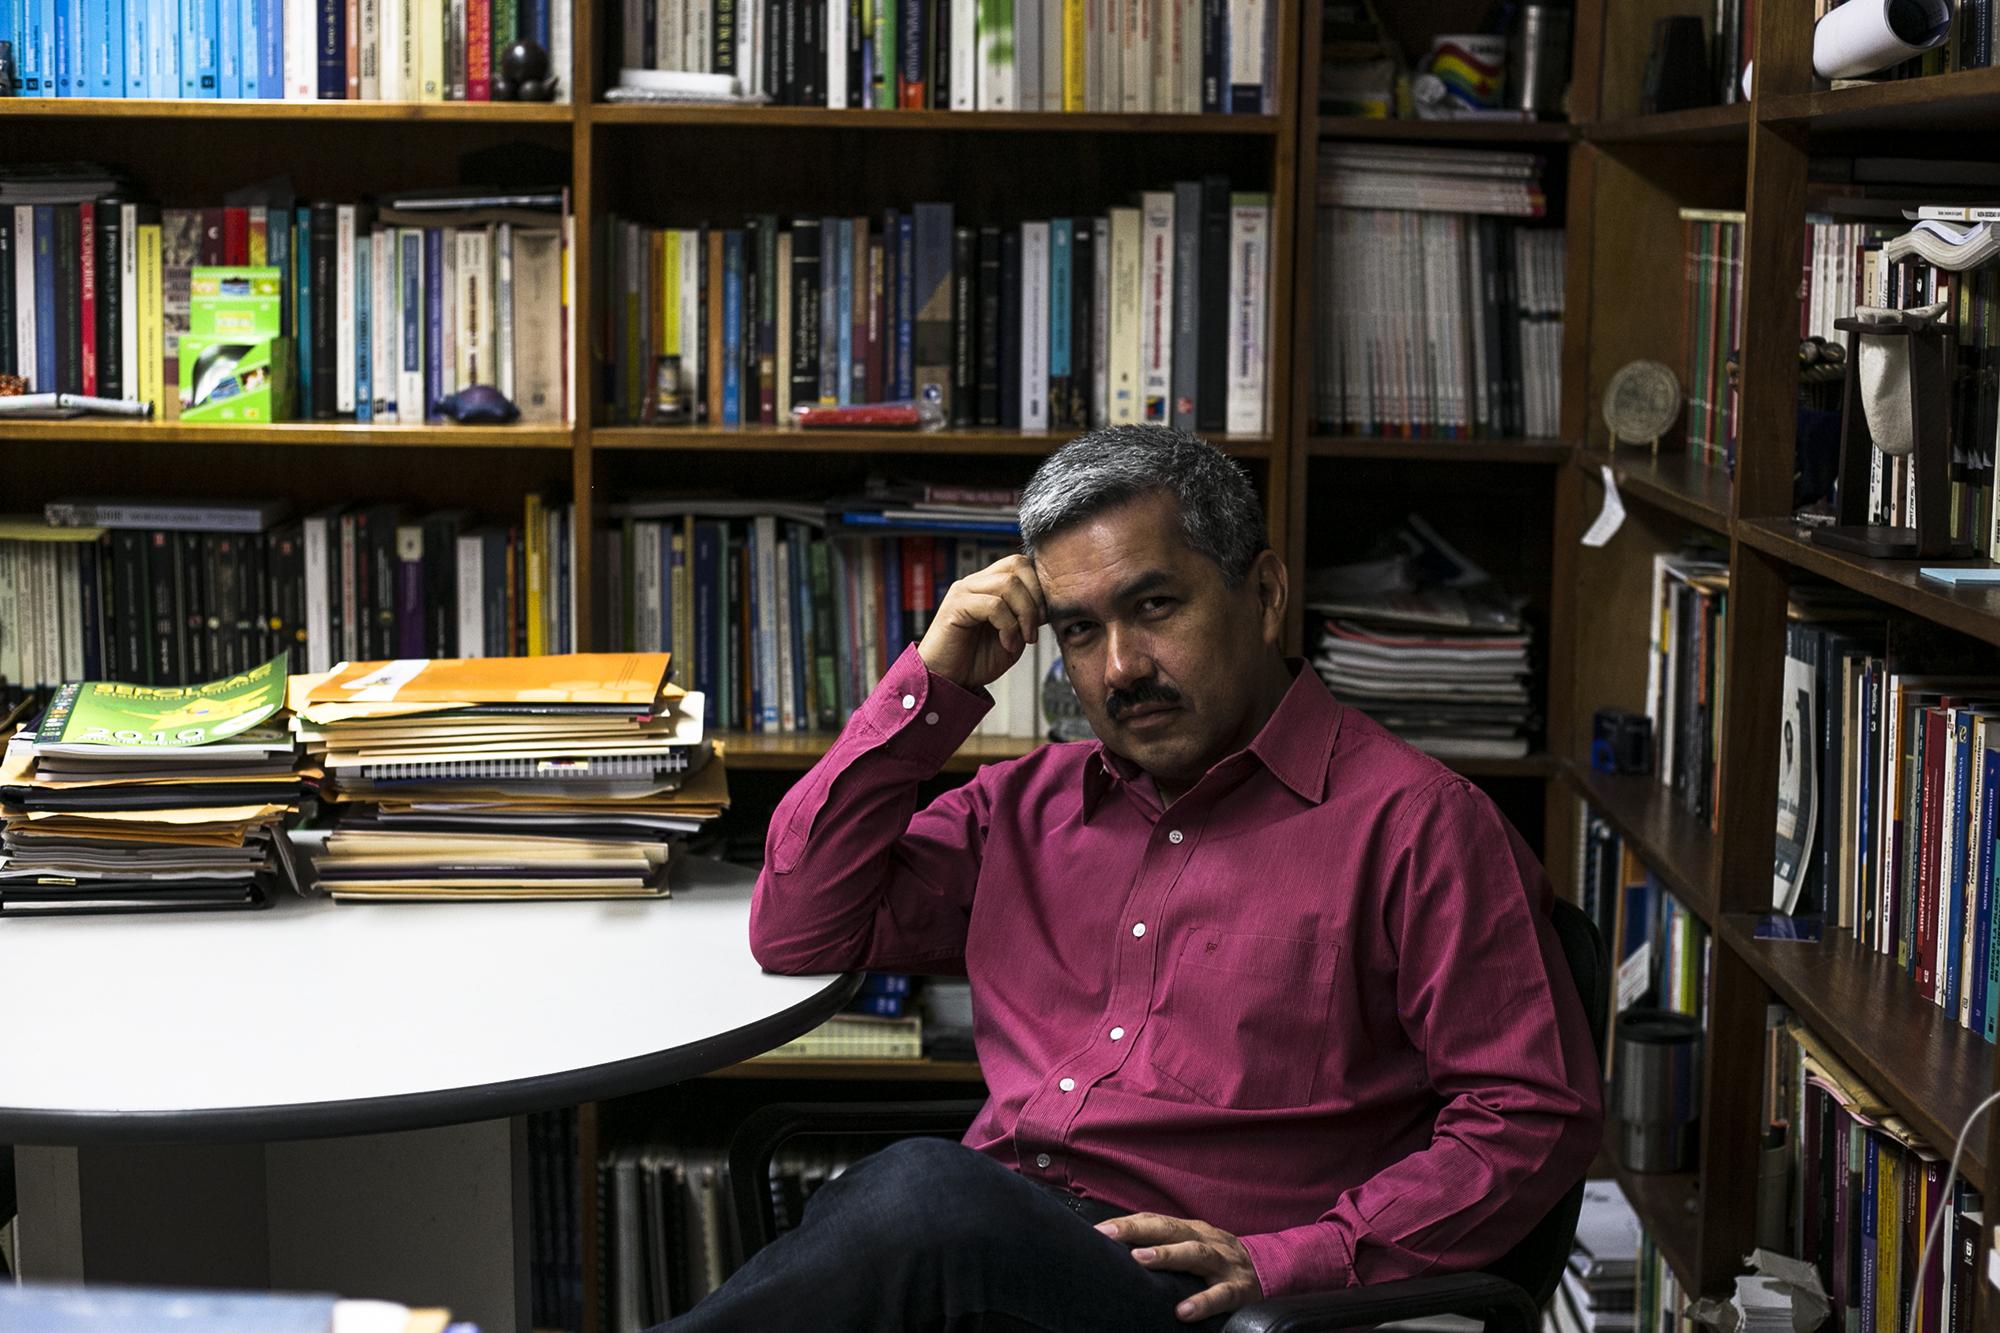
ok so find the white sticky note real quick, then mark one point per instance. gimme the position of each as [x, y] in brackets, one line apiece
[1611, 517]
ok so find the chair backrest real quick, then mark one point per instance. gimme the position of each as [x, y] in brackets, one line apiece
[1536, 1264]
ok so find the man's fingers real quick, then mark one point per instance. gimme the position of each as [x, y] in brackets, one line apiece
[994, 610]
[1188, 1256]
[1145, 1229]
[1218, 1299]
[1007, 584]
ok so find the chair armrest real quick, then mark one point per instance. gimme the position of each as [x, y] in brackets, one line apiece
[1504, 1306]
[756, 1141]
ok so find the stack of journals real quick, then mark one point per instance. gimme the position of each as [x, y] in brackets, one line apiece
[1600, 1283]
[565, 776]
[1445, 671]
[856, 1037]
[133, 798]
[1157, 312]
[964, 55]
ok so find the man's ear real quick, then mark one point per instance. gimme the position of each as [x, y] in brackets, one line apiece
[1271, 584]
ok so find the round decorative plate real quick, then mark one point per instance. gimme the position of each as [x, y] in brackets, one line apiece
[1642, 401]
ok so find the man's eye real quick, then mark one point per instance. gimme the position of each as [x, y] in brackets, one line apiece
[1075, 630]
[1155, 605]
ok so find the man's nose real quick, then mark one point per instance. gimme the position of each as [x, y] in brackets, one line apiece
[1126, 660]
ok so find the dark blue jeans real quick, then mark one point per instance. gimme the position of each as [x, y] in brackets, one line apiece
[928, 1236]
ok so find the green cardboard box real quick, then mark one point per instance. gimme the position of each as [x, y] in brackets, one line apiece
[235, 379]
[236, 302]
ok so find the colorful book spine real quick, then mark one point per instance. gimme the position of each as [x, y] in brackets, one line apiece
[732, 327]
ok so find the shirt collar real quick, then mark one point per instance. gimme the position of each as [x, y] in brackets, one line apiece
[1295, 744]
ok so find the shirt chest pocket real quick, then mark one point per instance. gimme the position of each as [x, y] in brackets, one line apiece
[1241, 1022]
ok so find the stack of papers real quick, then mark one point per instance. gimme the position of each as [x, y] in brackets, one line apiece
[1444, 669]
[1762, 1305]
[563, 776]
[130, 798]
[1599, 1291]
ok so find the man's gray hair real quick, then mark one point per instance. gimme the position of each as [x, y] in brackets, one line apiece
[1220, 514]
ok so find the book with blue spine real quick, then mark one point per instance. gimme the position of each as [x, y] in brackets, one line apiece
[230, 25]
[1061, 270]
[892, 600]
[828, 311]
[21, 23]
[198, 28]
[331, 50]
[302, 296]
[137, 15]
[364, 327]
[270, 49]
[434, 367]
[906, 310]
[249, 48]
[45, 296]
[533, 18]
[111, 82]
[732, 327]
[843, 312]
[163, 37]
[66, 27]
[409, 390]
[1952, 919]
[45, 35]
[885, 983]
[1979, 968]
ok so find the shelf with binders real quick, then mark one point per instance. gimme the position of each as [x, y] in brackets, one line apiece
[1862, 1005]
[1674, 480]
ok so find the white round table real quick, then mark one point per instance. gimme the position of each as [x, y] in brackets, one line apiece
[312, 1019]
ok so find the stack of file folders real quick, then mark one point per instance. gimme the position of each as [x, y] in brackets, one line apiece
[136, 798]
[562, 776]
[1599, 1291]
[1446, 669]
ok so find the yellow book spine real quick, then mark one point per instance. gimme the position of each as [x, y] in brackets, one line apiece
[534, 554]
[1888, 1236]
[150, 317]
[1072, 55]
[670, 292]
[430, 48]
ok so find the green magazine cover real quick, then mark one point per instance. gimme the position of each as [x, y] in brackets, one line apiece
[116, 715]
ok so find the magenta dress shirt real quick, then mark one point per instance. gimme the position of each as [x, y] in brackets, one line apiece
[1316, 1002]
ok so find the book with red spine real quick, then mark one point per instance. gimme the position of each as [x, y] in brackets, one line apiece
[479, 50]
[87, 289]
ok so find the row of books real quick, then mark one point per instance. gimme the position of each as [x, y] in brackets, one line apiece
[1156, 313]
[555, 1260]
[1685, 666]
[1867, 1193]
[1712, 330]
[1436, 324]
[1662, 951]
[670, 1231]
[1850, 264]
[378, 50]
[176, 594]
[1893, 797]
[786, 625]
[965, 55]
[389, 309]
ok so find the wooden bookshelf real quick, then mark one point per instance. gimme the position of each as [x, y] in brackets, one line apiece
[1696, 125]
[1438, 450]
[1968, 99]
[1674, 844]
[252, 109]
[1668, 1204]
[1446, 131]
[1677, 481]
[287, 434]
[1971, 611]
[968, 122]
[786, 439]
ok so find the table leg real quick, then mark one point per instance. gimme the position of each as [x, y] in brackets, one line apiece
[426, 1217]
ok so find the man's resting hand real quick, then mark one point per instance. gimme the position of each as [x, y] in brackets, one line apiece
[1176, 1244]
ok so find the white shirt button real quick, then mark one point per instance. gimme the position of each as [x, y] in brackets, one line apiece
[1041, 1159]
[1118, 1034]
[930, 719]
[1175, 837]
[1067, 1085]
[909, 701]
[1138, 929]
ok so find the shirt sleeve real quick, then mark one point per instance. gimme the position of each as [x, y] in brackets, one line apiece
[1483, 992]
[852, 877]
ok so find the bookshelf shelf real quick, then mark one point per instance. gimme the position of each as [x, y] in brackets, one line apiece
[1966, 99]
[1435, 450]
[776, 439]
[971, 122]
[289, 434]
[1868, 1012]
[1676, 482]
[1446, 131]
[797, 751]
[1701, 124]
[1674, 844]
[882, 1071]
[1669, 1208]
[1971, 611]
[141, 108]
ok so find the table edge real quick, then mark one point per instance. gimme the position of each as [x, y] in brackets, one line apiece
[428, 1110]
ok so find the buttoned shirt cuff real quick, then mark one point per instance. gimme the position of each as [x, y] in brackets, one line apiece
[1301, 1260]
[921, 716]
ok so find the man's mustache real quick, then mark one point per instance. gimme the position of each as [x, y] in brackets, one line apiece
[1119, 702]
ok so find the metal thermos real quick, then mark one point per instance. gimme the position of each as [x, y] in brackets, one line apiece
[1538, 60]
[1656, 1089]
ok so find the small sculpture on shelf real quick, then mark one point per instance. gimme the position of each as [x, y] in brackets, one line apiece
[525, 75]
[1898, 400]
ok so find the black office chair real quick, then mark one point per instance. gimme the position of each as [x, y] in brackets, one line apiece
[1507, 1295]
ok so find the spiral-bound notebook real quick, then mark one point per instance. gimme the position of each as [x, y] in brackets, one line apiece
[599, 767]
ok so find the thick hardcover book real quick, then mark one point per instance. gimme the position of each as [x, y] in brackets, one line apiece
[324, 310]
[732, 327]
[332, 48]
[1082, 323]
[168, 660]
[1034, 326]
[412, 609]
[1212, 373]
[876, 343]
[110, 312]
[194, 570]
[855, 333]
[1187, 344]
[833, 292]
[906, 307]
[88, 279]
[68, 253]
[1010, 328]
[805, 322]
[931, 299]
[9, 311]
[222, 596]
[912, 45]
[987, 375]
[964, 326]
[1062, 275]
[767, 318]
[1127, 310]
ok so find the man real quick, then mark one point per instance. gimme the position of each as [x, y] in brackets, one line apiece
[1267, 1001]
